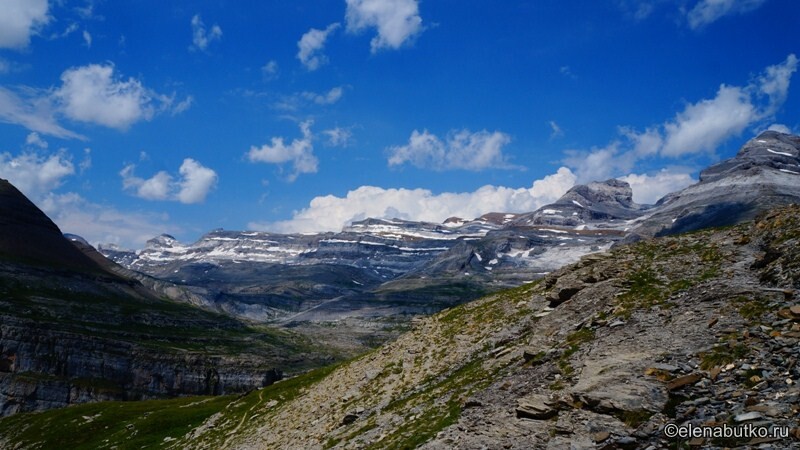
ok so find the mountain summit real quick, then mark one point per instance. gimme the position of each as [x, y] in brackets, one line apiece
[763, 175]
[608, 201]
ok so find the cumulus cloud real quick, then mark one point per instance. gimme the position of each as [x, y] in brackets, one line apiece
[202, 37]
[703, 126]
[300, 152]
[331, 213]
[20, 20]
[700, 127]
[35, 174]
[708, 11]
[648, 189]
[461, 149]
[311, 44]
[396, 21]
[196, 182]
[93, 94]
[193, 186]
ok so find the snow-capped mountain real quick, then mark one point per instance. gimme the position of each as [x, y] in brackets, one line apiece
[380, 267]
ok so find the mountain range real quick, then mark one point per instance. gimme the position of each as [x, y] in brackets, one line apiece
[236, 310]
[379, 268]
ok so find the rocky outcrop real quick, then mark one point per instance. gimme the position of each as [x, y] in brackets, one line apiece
[607, 204]
[764, 175]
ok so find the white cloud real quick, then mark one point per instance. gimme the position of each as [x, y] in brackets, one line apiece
[300, 152]
[34, 112]
[331, 213]
[270, 70]
[201, 37]
[709, 11]
[194, 185]
[197, 181]
[700, 128]
[93, 94]
[311, 44]
[600, 164]
[703, 126]
[33, 139]
[34, 174]
[338, 137]
[647, 189]
[774, 83]
[87, 39]
[102, 224]
[19, 20]
[780, 128]
[461, 150]
[397, 21]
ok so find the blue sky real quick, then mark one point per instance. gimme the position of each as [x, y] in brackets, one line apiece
[126, 119]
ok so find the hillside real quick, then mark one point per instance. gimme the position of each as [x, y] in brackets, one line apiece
[697, 328]
[76, 328]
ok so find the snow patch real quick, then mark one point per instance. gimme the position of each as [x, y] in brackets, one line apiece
[780, 153]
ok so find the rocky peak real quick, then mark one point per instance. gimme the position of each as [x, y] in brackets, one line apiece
[603, 204]
[161, 242]
[610, 192]
[768, 150]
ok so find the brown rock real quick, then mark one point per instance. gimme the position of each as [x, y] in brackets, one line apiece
[680, 382]
[713, 322]
[535, 407]
[795, 310]
[601, 436]
[714, 372]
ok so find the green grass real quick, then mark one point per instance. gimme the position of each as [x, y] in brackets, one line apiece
[126, 425]
[145, 424]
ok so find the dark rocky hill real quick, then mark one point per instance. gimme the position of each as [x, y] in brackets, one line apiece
[75, 327]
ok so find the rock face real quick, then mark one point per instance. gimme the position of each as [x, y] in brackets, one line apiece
[764, 174]
[75, 327]
[607, 204]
